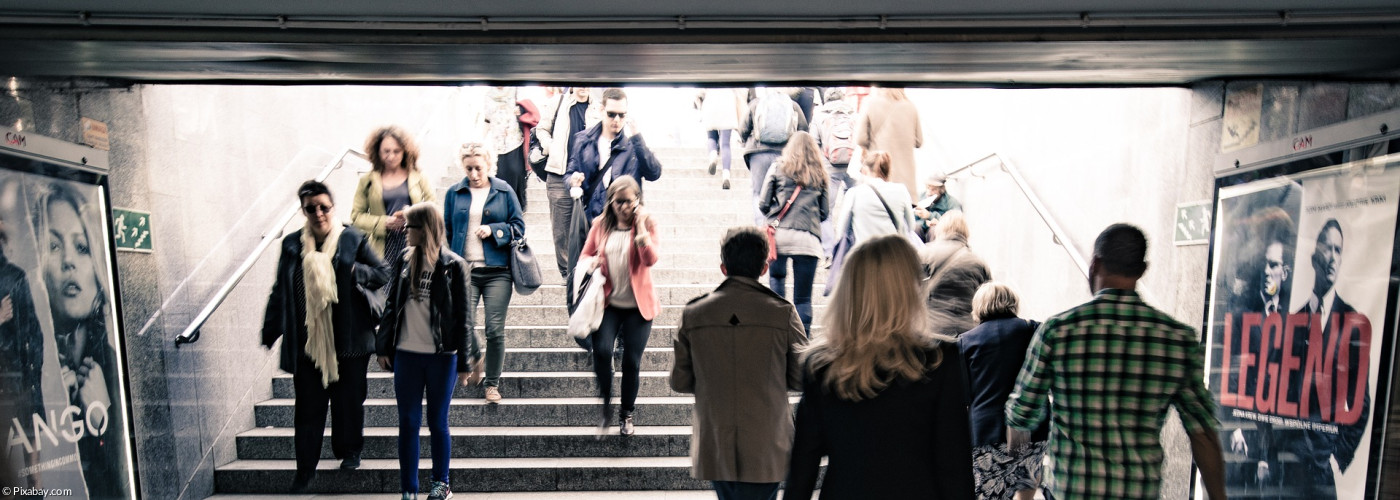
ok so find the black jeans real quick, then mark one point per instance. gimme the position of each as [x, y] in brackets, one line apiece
[628, 327]
[346, 398]
[804, 271]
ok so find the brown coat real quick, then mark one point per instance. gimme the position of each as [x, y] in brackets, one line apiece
[893, 127]
[736, 350]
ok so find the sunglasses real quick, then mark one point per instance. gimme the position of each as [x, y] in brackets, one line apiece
[614, 116]
[317, 209]
[413, 226]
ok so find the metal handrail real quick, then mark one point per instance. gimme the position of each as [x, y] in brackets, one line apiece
[273, 233]
[1061, 238]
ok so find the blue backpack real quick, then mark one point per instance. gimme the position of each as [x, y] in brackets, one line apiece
[774, 119]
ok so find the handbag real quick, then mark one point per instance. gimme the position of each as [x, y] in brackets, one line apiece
[773, 226]
[524, 269]
[909, 233]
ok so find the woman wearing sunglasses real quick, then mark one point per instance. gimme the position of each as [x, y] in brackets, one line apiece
[327, 333]
[483, 217]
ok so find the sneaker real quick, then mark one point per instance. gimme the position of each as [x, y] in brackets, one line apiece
[626, 427]
[351, 462]
[440, 491]
[714, 161]
[493, 396]
[725, 185]
[409, 495]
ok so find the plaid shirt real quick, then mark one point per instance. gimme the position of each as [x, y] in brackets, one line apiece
[1105, 372]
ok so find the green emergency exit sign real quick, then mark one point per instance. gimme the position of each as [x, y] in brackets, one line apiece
[132, 230]
[1192, 223]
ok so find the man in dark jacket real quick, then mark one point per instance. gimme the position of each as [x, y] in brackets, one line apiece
[607, 151]
[736, 350]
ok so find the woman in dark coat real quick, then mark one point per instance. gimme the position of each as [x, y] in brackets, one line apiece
[326, 271]
[954, 273]
[884, 400]
[994, 352]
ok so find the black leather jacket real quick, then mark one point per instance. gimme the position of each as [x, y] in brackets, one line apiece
[354, 263]
[812, 206]
[452, 321]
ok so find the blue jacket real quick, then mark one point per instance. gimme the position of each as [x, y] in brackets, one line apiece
[630, 156]
[993, 353]
[502, 214]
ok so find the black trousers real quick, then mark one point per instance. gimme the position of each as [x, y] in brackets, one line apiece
[627, 327]
[511, 167]
[346, 400]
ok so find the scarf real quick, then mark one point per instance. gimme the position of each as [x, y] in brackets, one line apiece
[319, 278]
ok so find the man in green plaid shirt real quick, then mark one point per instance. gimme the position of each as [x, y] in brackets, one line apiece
[1105, 373]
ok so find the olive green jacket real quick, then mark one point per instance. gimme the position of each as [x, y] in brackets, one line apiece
[368, 212]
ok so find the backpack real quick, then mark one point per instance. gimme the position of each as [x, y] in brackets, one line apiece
[775, 119]
[837, 132]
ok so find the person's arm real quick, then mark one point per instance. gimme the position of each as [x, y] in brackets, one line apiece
[808, 447]
[918, 129]
[767, 195]
[590, 244]
[463, 328]
[501, 234]
[1028, 404]
[682, 373]
[823, 203]
[647, 165]
[1206, 450]
[649, 253]
[746, 124]
[801, 117]
[796, 338]
[429, 194]
[449, 208]
[388, 323]
[360, 217]
[274, 316]
[369, 270]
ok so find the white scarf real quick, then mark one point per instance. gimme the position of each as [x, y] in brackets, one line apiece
[318, 277]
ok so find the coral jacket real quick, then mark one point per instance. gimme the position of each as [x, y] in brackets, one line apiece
[639, 263]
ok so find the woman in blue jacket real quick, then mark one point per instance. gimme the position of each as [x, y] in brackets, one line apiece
[483, 216]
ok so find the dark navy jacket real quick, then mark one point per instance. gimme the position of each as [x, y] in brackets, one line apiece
[993, 353]
[501, 213]
[630, 156]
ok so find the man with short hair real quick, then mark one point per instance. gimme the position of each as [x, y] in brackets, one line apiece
[736, 350]
[609, 150]
[573, 113]
[1104, 373]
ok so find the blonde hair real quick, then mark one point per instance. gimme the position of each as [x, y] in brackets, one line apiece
[802, 161]
[624, 182]
[952, 224]
[876, 324]
[894, 93]
[878, 162]
[428, 219]
[376, 139]
[994, 300]
[478, 150]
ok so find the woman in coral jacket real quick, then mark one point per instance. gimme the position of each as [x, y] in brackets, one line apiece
[624, 242]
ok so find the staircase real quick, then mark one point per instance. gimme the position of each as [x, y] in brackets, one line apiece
[542, 436]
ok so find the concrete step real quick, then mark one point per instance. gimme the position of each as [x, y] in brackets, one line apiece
[540, 219]
[674, 189]
[487, 442]
[514, 384]
[557, 314]
[571, 359]
[670, 295]
[520, 495]
[684, 276]
[471, 474]
[510, 412]
[663, 206]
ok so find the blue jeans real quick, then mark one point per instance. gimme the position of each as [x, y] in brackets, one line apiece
[492, 283]
[840, 183]
[629, 328]
[804, 271]
[758, 169]
[719, 141]
[414, 372]
[734, 490]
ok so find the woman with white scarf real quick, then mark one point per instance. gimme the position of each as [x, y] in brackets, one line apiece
[320, 308]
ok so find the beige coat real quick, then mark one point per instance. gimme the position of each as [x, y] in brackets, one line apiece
[736, 350]
[556, 117]
[893, 127]
[367, 214]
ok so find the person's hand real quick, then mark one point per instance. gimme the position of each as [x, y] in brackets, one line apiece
[1237, 444]
[1017, 440]
[483, 232]
[477, 375]
[641, 216]
[923, 214]
[1261, 471]
[576, 180]
[7, 310]
[630, 128]
[385, 364]
[92, 388]
[396, 222]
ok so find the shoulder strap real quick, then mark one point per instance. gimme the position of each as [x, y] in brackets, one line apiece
[795, 192]
[889, 212]
[558, 105]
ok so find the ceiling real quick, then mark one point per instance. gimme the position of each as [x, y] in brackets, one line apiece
[948, 43]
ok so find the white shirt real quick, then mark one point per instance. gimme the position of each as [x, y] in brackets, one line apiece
[604, 154]
[618, 247]
[474, 251]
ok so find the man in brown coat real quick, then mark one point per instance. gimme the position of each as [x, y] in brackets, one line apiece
[736, 350]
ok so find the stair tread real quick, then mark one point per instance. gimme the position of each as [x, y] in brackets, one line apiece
[651, 400]
[543, 495]
[478, 463]
[588, 375]
[642, 430]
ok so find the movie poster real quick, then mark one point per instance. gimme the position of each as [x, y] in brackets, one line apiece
[61, 394]
[1302, 265]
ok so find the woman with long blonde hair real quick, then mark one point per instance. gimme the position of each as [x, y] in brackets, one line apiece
[883, 399]
[426, 339]
[796, 200]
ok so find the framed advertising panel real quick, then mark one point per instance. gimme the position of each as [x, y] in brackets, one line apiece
[64, 393]
[1300, 316]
